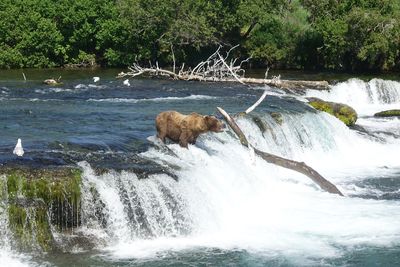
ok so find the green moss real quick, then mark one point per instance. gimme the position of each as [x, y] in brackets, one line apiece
[38, 197]
[42, 229]
[12, 185]
[3, 187]
[16, 215]
[17, 220]
[30, 226]
[322, 106]
[388, 113]
[343, 112]
[347, 115]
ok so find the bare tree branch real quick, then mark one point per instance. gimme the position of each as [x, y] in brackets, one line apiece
[250, 109]
[217, 68]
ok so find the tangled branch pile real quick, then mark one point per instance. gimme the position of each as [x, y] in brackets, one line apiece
[214, 68]
[219, 68]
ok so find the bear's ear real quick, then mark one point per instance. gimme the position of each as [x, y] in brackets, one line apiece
[208, 117]
[210, 120]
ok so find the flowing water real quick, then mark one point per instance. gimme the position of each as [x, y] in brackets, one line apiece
[214, 204]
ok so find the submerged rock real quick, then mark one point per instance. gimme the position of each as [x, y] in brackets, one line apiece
[260, 124]
[277, 117]
[343, 112]
[388, 113]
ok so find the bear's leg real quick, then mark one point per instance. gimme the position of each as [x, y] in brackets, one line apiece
[161, 132]
[161, 136]
[192, 139]
[184, 138]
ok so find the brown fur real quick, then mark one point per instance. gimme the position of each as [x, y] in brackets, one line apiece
[185, 128]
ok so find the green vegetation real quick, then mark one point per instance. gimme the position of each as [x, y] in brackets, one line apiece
[40, 197]
[351, 35]
[343, 112]
[388, 113]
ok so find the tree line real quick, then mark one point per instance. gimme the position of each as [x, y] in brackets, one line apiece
[348, 35]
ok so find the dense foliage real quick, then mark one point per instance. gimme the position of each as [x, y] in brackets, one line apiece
[308, 34]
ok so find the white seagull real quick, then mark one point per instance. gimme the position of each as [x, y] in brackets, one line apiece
[18, 150]
[126, 82]
[96, 79]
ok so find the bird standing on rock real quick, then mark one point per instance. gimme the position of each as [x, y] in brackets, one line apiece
[18, 150]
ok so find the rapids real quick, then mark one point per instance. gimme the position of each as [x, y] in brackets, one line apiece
[216, 204]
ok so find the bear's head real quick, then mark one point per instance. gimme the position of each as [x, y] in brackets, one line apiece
[214, 124]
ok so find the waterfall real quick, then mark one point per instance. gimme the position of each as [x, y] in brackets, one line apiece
[122, 207]
[8, 255]
[366, 97]
[221, 196]
[226, 198]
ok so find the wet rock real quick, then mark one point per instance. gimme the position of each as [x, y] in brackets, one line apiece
[260, 124]
[277, 117]
[343, 112]
[37, 198]
[52, 82]
[388, 113]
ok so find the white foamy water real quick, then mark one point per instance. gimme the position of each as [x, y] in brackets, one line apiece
[54, 90]
[227, 199]
[157, 99]
[30, 99]
[8, 256]
[366, 98]
[13, 259]
[89, 86]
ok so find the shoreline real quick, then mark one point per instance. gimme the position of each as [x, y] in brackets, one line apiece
[39, 74]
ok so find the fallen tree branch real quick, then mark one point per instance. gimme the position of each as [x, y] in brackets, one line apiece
[300, 167]
[250, 109]
[216, 69]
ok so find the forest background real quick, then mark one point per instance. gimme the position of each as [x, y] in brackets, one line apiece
[343, 35]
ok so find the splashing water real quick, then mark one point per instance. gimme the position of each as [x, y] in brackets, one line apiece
[227, 202]
[225, 199]
[366, 97]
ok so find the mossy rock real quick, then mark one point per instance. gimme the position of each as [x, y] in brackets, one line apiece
[30, 227]
[277, 117]
[388, 113]
[38, 198]
[343, 112]
[260, 124]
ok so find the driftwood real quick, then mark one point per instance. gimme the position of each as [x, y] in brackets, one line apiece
[289, 84]
[219, 68]
[282, 162]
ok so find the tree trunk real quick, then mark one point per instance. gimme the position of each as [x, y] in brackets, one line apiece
[300, 167]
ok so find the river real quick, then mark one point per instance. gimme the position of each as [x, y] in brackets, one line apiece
[214, 204]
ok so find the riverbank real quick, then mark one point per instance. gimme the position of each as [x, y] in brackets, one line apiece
[38, 75]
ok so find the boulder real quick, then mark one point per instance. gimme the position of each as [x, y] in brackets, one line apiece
[343, 112]
[52, 82]
[388, 113]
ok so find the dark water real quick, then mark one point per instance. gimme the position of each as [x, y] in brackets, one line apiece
[83, 116]
[107, 124]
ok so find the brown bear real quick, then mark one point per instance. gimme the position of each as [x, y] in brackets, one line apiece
[185, 128]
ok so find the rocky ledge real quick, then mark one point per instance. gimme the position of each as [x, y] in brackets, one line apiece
[388, 113]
